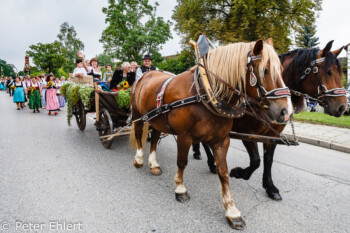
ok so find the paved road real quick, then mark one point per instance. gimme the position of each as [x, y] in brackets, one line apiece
[52, 172]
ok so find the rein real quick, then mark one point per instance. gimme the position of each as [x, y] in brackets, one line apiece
[322, 90]
[263, 94]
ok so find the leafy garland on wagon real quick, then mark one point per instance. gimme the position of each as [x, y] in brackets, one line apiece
[74, 92]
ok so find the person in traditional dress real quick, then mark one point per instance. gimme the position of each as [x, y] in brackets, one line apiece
[79, 71]
[34, 95]
[147, 66]
[21, 79]
[107, 76]
[18, 94]
[51, 98]
[60, 98]
[94, 70]
[9, 84]
[2, 84]
[43, 90]
[125, 74]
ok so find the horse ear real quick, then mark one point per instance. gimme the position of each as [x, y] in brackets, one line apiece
[269, 41]
[258, 47]
[326, 49]
[338, 51]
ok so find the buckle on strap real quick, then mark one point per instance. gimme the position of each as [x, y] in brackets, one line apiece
[160, 95]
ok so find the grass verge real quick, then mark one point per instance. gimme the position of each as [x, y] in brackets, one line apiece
[321, 118]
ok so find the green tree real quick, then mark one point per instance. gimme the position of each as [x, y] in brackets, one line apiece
[48, 57]
[72, 44]
[180, 63]
[104, 59]
[8, 69]
[133, 30]
[229, 21]
[307, 38]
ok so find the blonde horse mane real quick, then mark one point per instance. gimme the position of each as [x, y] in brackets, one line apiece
[230, 63]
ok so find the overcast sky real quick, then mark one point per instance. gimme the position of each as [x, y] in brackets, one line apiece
[27, 22]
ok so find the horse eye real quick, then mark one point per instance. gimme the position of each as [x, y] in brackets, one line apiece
[329, 72]
[266, 71]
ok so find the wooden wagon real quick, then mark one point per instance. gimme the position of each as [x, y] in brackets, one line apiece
[110, 118]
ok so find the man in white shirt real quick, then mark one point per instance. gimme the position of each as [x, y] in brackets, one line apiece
[79, 71]
[147, 66]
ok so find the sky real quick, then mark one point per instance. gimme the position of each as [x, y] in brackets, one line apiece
[27, 22]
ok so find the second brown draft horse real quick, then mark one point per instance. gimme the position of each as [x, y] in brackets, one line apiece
[194, 123]
[314, 72]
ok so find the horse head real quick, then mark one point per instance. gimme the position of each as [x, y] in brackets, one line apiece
[264, 82]
[318, 74]
[333, 94]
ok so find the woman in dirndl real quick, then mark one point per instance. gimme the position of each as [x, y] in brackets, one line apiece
[2, 84]
[34, 95]
[43, 91]
[60, 98]
[51, 97]
[18, 95]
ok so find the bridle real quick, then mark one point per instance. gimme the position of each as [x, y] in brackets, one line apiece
[254, 81]
[322, 90]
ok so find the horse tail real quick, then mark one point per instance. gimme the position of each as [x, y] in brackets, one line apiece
[133, 140]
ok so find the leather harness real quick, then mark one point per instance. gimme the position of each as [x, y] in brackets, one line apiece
[322, 89]
[204, 88]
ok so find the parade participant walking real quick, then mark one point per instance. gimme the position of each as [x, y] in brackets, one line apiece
[60, 98]
[2, 84]
[125, 74]
[51, 98]
[43, 90]
[79, 71]
[34, 94]
[147, 66]
[18, 95]
[10, 83]
[25, 93]
[107, 76]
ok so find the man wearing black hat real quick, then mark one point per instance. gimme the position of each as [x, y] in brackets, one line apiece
[147, 66]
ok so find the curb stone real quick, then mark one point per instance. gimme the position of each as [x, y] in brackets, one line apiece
[322, 143]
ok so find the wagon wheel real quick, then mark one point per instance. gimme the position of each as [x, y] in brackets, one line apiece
[80, 115]
[105, 127]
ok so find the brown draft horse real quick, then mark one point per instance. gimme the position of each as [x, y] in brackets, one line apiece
[295, 64]
[194, 123]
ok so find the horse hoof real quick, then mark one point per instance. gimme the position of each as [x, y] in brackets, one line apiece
[182, 197]
[236, 223]
[156, 171]
[197, 156]
[136, 164]
[236, 172]
[213, 169]
[274, 196]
